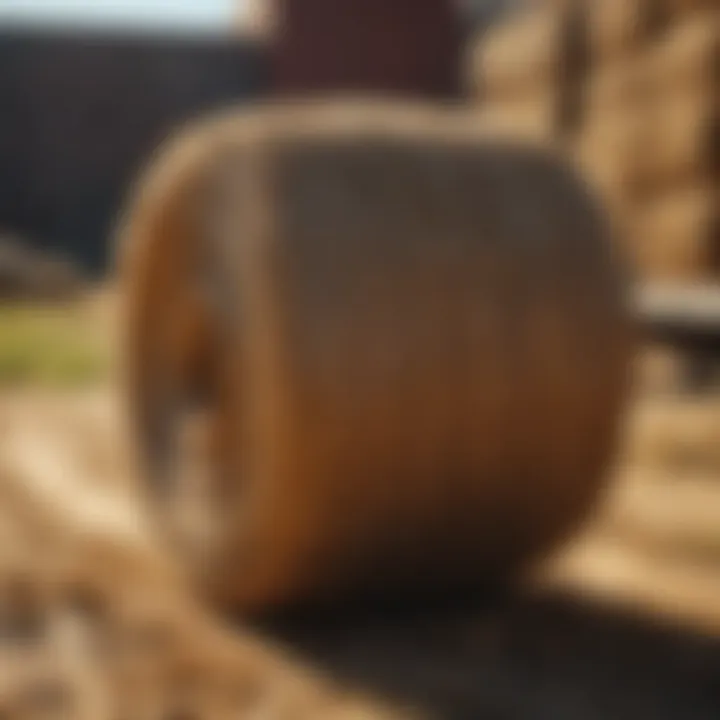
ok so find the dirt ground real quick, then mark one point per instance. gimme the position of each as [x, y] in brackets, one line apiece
[623, 623]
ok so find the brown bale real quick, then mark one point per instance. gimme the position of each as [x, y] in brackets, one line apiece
[620, 27]
[403, 295]
[676, 236]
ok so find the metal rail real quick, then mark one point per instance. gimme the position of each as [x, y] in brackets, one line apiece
[686, 316]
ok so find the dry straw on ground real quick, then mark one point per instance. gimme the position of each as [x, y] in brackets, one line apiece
[95, 623]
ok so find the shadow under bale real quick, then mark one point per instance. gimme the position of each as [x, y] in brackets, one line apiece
[517, 658]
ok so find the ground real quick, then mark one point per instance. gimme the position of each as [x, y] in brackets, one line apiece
[625, 622]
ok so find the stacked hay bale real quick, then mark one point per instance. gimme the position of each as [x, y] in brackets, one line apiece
[528, 70]
[618, 33]
[644, 111]
[675, 224]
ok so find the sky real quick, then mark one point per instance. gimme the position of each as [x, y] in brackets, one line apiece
[168, 15]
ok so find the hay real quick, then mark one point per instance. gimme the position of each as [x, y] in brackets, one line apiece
[607, 155]
[680, 9]
[535, 116]
[687, 57]
[95, 623]
[614, 87]
[525, 52]
[680, 144]
[620, 27]
[404, 295]
[676, 236]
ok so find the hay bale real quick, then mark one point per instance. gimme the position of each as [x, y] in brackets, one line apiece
[523, 53]
[614, 87]
[680, 143]
[680, 9]
[607, 154]
[676, 236]
[687, 57]
[535, 115]
[400, 295]
[617, 28]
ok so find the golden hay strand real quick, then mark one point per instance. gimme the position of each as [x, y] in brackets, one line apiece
[404, 296]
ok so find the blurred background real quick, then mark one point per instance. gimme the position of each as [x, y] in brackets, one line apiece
[627, 90]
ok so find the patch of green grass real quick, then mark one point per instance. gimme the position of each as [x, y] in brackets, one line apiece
[54, 346]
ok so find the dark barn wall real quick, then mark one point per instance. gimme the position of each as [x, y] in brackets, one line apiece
[412, 47]
[80, 114]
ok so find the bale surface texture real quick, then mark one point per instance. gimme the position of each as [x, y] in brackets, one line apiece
[418, 332]
[533, 115]
[680, 9]
[608, 152]
[620, 27]
[680, 144]
[676, 235]
[687, 56]
[524, 52]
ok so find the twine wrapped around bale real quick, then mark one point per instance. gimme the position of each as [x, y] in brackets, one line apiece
[676, 235]
[407, 334]
[620, 27]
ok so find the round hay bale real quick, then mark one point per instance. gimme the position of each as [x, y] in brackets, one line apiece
[676, 236]
[407, 335]
[620, 27]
